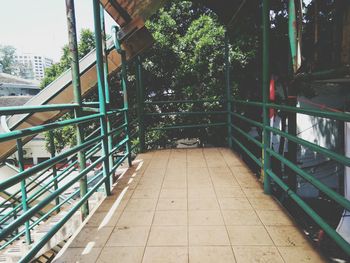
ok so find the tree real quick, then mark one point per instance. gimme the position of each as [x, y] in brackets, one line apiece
[25, 70]
[7, 59]
[186, 62]
[86, 43]
[65, 137]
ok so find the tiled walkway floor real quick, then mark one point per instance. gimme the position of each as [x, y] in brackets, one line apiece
[197, 206]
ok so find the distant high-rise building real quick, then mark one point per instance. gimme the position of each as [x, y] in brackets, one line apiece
[35, 63]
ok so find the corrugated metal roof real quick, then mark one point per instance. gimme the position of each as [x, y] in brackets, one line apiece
[7, 78]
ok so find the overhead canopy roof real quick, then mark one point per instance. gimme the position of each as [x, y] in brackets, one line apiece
[124, 11]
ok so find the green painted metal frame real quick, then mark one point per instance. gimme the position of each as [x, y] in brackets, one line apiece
[124, 81]
[104, 141]
[228, 90]
[44, 178]
[264, 126]
[266, 91]
[140, 103]
[101, 90]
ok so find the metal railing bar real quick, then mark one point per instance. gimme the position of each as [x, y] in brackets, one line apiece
[309, 178]
[186, 113]
[307, 209]
[30, 212]
[189, 126]
[183, 101]
[25, 174]
[33, 109]
[46, 127]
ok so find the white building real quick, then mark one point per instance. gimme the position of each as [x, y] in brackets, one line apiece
[38, 63]
[16, 86]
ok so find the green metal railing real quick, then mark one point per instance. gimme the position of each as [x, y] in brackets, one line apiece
[42, 187]
[268, 174]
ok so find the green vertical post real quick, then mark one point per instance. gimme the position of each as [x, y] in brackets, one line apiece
[124, 90]
[266, 91]
[54, 169]
[101, 93]
[23, 189]
[228, 90]
[107, 94]
[140, 102]
[73, 52]
[292, 94]
[292, 32]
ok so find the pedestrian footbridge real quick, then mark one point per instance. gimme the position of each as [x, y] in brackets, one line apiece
[112, 198]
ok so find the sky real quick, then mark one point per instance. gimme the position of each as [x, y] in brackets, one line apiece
[40, 26]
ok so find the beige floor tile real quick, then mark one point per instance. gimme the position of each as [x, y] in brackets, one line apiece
[151, 179]
[227, 192]
[128, 236]
[173, 193]
[286, 236]
[92, 234]
[254, 192]
[157, 163]
[224, 182]
[300, 254]
[168, 236]
[176, 163]
[220, 170]
[210, 254]
[215, 162]
[249, 183]
[208, 236]
[141, 204]
[199, 193]
[246, 217]
[234, 203]
[197, 171]
[199, 214]
[196, 163]
[153, 172]
[249, 236]
[174, 173]
[175, 183]
[106, 205]
[265, 203]
[257, 254]
[240, 169]
[77, 255]
[274, 218]
[146, 184]
[203, 204]
[170, 218]
[98, 217]
[172, 204]
[136, 218]
[197, 182]
[121, 255]
[205, 218]
[151, 193]
[166, 255]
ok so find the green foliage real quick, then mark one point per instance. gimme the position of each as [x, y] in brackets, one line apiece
[85, 45]
[187, 62]
[7, 59]
[86, 42]
[66, 137]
